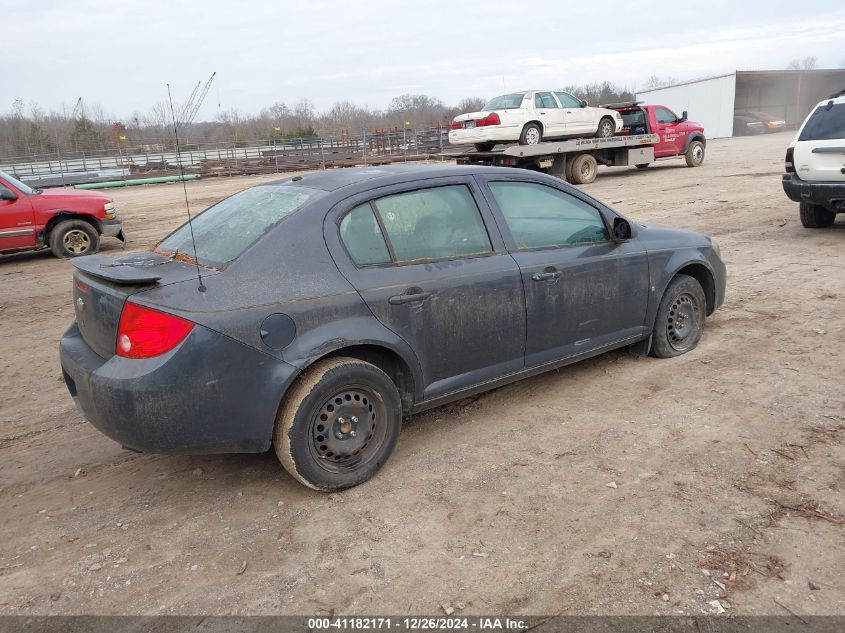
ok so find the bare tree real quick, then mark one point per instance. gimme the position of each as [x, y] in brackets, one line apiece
[471, 104]
[808, 63]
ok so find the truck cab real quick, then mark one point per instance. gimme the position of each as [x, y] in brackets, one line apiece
[677, 134]
[68, 221]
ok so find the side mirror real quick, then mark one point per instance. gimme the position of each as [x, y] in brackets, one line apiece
[7, 194]
[683, 116]
[621, 229]
[583, 103]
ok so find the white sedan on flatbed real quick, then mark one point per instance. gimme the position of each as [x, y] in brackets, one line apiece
[531, 117]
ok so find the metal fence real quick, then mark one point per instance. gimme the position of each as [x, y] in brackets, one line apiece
[227, 159]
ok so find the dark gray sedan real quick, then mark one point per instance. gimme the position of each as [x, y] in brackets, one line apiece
[332, 304]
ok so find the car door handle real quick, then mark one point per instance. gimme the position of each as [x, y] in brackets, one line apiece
[397, 300]
[545, 276]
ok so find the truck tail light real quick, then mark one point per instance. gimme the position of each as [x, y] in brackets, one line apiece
[457, 125]
[144, 332]
[790, 161]
[490, 119]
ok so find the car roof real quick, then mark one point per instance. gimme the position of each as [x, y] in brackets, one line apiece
[372, 177]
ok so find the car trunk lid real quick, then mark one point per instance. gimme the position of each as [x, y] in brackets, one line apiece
[101, 286]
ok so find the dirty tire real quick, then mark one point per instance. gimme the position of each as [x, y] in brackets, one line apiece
[484, 147]
[695, 154]
[315, 439]
[606, 129]
[531, 134]
[584, 169]
[680, 318]
[642, 166]
[74, 238]
[814, 216]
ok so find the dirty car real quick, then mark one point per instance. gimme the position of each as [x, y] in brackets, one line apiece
[333, 304]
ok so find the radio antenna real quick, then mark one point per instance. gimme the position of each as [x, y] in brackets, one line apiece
[201, 287]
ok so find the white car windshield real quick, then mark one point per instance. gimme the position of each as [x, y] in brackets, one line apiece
[505, 102]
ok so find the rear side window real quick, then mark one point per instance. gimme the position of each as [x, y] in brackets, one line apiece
[433, 223]
[826, 123]
[542, 217]
[362, 237]
[505, 102]
[224, 231]
[544, 100]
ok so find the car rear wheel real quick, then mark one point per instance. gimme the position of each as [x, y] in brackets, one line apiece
[642, 166]
[531, 135]
[338, 424]
[680, 318]
[74, 238]
[695, 154]
[606, 129]
[484, 147]
[584, 169]
[814, 216]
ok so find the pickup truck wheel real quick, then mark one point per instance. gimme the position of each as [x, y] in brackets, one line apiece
[814, 216]
[338, 424]
[74, 238]
[584, 169]
[531, 135]
[607, 128]
[484, 147]
[680, 318]
[695, 154]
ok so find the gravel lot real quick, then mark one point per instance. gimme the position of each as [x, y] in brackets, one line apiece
[610, 487]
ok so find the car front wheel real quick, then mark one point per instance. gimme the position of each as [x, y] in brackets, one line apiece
[680, 318]
[74, 238]
[695, 154]
[338, 424]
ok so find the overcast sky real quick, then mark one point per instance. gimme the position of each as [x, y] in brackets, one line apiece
[121, 54]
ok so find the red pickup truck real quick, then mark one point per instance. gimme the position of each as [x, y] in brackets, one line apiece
[68, 221]
[678, 136]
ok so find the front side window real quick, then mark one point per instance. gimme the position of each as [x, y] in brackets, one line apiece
[826, 123]
[224, 231]
[433, 223]
[362, 237]
[568, 101]
[665, 116]
[544, 100]
[540, 217]
[17, 183]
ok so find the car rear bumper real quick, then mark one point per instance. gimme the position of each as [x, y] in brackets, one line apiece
[830, 195]
[210, 394]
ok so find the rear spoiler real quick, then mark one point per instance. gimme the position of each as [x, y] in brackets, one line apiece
[115, 271]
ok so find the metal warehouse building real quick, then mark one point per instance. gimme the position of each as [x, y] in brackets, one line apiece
[786, 94]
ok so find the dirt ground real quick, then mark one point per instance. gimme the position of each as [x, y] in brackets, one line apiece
[620, 485]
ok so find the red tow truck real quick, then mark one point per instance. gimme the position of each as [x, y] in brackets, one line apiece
[67, 221]
[649, 133]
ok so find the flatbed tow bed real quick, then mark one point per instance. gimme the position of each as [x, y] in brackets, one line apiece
[575, 160]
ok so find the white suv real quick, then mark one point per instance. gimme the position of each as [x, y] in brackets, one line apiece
[531, 117]
[815, 164]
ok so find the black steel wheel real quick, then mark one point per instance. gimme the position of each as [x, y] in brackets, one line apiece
[338, 424]
[680, 318]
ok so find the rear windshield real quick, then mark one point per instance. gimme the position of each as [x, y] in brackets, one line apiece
[224, 231]
[505, 102]
[633, 118]
[826, 123]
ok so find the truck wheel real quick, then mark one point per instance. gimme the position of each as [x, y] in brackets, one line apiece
[642, 166]
[484, 147]
[814, 216]
[531, 135]
[73, 238]
[680, 318]
[607, 128]
[695, 154]
[338, 424]
[584, 169]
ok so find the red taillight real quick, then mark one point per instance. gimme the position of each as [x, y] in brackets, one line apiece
[144, 332]
[490, 119]
[789, 165]
[457, 125]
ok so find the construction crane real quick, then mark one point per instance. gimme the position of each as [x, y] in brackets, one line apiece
[194, 102]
